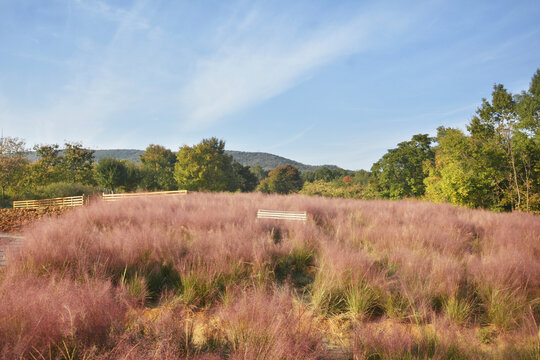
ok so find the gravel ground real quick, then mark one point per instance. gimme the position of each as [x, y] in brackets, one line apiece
[13, 220]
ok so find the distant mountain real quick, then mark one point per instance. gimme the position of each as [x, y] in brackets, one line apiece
[127, 154]
[270, 161]
[265, 160]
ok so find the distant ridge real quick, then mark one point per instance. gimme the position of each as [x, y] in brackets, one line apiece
[270, 161]
[125, 154]
[265, 160]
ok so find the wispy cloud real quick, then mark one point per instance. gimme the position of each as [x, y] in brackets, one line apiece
[117, 14]
[253, 64]
[291, 139]
[100, 85]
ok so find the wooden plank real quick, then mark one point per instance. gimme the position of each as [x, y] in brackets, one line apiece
[116, 197]
[282, 215]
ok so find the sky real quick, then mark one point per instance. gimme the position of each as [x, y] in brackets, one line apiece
[320, 82]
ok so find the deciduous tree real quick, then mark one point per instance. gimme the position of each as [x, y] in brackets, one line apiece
[111, 173]
[47, 168]
[12, 161]
[245, 179]
[158, 168]
[282, 180]
[77, 164]
[205, 167]
[400, 172]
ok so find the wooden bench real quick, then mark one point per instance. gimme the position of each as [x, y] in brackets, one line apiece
[56, 202]
[116, 197]
[282, 215]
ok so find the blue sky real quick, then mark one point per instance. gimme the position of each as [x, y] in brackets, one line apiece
[321, 82]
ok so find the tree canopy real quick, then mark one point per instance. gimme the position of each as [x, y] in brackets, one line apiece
[12, 161]
[157, 165]
[111, 173]
[205, 167]
[498, 165]
[282, 180]
[77, 163]
[400, 172]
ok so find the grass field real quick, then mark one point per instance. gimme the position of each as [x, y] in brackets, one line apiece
[199, 277]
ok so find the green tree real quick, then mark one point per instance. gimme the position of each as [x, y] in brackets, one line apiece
[324, 174]
[205, 166]
[527, 143]
[259, 172]
[134, 176]
[361, 177]
[77, 164]
[245, 179]
[282, 180]
[158, 168]
[47, 168]
[400, 172]
[13, 162]
[111, 173]
[507, 130]
[457, 176]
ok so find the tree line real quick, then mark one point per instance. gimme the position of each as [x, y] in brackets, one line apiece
[72, 171]
[495, 164]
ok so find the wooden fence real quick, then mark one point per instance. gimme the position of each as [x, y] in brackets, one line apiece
[116, 197]
[56, 202]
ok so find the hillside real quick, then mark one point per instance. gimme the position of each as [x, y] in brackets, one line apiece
[265, 160]
[270, 161]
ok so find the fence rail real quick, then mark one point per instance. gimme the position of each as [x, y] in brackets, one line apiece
[56, 202]
[282, 215]
[116, 197]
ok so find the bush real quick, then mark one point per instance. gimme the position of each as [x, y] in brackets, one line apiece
[64, 189]
[334, 190]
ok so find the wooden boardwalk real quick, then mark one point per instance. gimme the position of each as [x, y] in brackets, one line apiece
[8, 241]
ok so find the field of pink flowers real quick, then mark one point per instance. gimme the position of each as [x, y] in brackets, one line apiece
[200, 277]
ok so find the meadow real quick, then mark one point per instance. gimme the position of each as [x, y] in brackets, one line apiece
[200, 277]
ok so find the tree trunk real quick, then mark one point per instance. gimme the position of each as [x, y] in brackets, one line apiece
[527, 184]
[515, 178]
[513, 163]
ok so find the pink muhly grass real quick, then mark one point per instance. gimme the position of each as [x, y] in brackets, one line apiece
[260, 325]
[37, 314]
[411, 261]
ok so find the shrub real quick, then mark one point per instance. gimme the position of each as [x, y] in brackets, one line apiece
[63, 189]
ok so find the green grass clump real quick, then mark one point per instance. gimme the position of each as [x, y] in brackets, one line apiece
[504, 307]
[458, 310]
[363, 301]
[295, 267]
